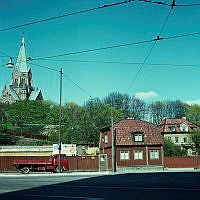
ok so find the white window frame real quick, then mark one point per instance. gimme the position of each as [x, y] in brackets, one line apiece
[106, 139]
[124, 155]
[154, 154]
[184, 127]
[138, 137]
[138, 154]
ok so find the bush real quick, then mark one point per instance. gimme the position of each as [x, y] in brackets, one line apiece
[171, 149]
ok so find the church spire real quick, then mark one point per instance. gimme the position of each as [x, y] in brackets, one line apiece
[21, 63]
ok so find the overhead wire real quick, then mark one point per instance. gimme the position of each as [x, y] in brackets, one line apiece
[155, 2]
[150, 51]
[92, 9]
[92, 50]
[115, 46]
[83, 90]
[67, 15]
[50, 68]
[41, 66]
[182, 5]
[123, 63]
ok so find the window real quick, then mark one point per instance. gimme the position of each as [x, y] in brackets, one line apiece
[176, 139]
[138, 137]
[184, 127]
[154, 154]
[184, 139]
[173, 128]
[124, 155]
[138, 155]
[106, 139]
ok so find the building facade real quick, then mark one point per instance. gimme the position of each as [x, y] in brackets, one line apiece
[21, 85]
[178, 130]
[137, 143]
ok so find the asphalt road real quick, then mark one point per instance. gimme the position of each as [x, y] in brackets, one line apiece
[165, 186]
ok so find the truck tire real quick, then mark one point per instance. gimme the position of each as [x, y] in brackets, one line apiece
[57, 169]
[25, 170]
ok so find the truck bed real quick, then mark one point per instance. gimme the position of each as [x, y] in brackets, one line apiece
[33, 162]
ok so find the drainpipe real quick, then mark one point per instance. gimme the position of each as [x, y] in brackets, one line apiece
[147, 156]
[162, 154]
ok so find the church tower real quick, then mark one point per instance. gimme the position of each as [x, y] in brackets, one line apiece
[21, 86]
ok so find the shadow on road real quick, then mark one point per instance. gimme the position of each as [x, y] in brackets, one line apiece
[165, 186]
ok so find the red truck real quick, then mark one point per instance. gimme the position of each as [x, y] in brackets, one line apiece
[51, 165]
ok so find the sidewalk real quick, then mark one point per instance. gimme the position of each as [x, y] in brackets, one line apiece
[166, 170]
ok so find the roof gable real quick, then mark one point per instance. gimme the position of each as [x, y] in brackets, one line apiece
[125, 130]
[21, 63]
[167, 124]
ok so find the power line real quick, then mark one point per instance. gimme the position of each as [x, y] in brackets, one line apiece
[125, 63]
[93, 9]
[155, 2]
[67, 15]
[154, 44]
[92, 50]
[49, 68]
[77, 85]
[111, 47]
[195, 4]
[166, 4]
[142, 65]
[116, 46]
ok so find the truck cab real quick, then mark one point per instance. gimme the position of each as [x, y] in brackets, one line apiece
[63, 162]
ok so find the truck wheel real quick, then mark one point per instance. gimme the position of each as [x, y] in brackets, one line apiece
[57, 169]
[25, 170]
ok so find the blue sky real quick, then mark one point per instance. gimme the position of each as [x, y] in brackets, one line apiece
[131, 22]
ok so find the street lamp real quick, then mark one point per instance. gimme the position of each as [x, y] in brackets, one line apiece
[10, 63]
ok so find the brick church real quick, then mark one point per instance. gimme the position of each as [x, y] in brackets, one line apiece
[21, 86]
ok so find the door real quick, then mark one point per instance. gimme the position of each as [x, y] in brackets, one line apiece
[103, 162]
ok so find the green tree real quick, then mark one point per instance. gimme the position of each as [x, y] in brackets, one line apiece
[28, 112]
[193, 113]
[157, 110]
[3, 111]
[171, 149]
[194, 138]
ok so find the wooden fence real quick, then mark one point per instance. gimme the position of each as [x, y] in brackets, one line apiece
[20, 133]
[182, 162]
[91, 163]
[77, 163]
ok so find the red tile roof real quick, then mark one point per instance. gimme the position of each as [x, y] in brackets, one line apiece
[166, 124]
[126, 128]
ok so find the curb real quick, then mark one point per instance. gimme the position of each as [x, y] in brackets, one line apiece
[54, 174]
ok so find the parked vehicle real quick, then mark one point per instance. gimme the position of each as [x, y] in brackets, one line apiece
[51, 165]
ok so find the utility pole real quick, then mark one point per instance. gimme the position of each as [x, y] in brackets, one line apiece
[60, 117]
[113, 142]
